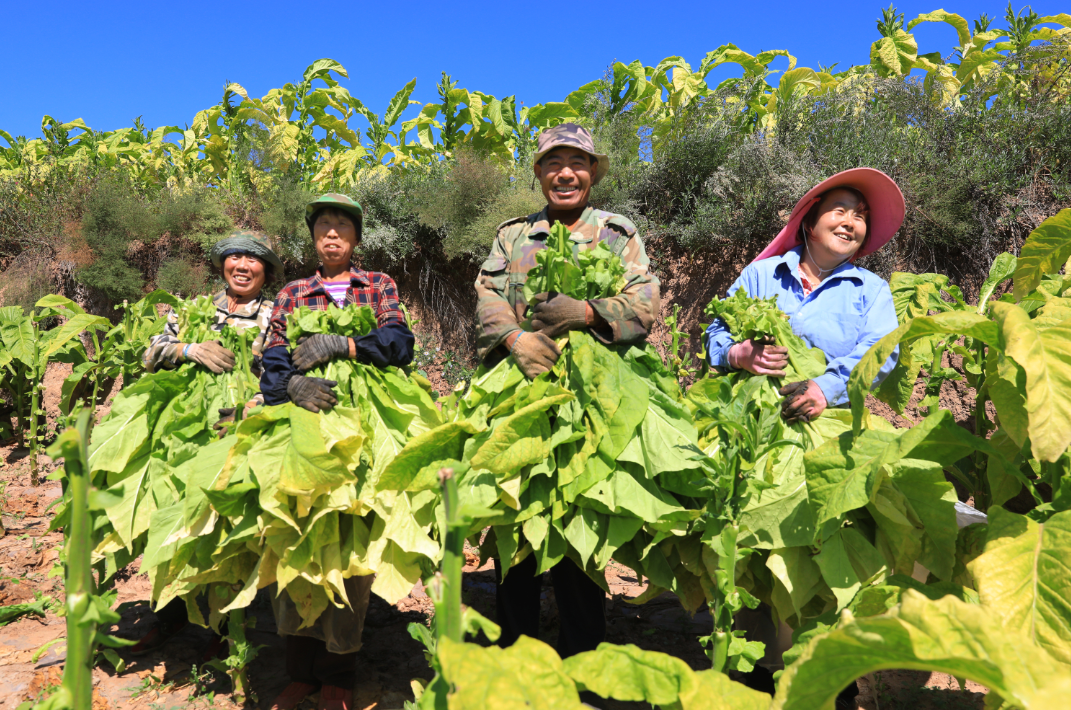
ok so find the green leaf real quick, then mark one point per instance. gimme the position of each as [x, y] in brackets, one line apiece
[520, 439]
[844, 474]
[1045, 356]
[944, 636]
[526, 676]
[933, 500]
[444, 442]
[1044, 252]
[952, 323]
[1023, 578]
[963, 30]
[631, 674]
[1001, 270]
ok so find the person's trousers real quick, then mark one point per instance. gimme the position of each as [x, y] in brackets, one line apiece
[309, 661]
[173, 613]
[581, 605]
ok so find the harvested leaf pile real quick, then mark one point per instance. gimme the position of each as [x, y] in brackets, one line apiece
[291, 499]
[155, 425]
[590, 461]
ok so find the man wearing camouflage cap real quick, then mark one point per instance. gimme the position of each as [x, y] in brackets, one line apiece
[246, 261]
[567, 167]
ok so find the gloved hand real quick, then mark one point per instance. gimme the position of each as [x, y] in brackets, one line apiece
[555, 314]
[803, 401]
[759, 358]
[313, 350]
[226, 416]
[212, 355]
[312, 393]
[534, 353]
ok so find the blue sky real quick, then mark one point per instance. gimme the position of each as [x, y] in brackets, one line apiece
[111, 62]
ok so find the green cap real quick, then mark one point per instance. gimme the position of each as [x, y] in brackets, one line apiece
[246, 241]
[341, 202]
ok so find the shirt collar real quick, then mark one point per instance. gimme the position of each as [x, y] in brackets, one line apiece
[358, 277]
[541, 227]
[790, 261]
[243, 309]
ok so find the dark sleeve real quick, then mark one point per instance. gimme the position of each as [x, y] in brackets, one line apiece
[391, 344]
[278, 369]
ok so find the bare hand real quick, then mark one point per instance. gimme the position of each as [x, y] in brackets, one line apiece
[803, 401]
[759, 358]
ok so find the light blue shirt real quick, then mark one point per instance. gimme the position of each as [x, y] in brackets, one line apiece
[849, 311]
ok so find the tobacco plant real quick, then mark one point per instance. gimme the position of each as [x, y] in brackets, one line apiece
[27, 351]
[1016, 353]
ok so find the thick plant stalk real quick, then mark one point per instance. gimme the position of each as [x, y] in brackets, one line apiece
[81, 631]
[235, 639]
[720, 609]
[448, 611]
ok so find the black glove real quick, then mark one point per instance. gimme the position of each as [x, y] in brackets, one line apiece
[312, 393]
[791, 393]
[557, 313]
[313, 350]
[226, 416]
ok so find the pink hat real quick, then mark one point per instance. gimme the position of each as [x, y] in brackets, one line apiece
[883, 197]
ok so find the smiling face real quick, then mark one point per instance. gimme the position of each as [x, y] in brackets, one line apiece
[335, 237]
[838, 228]
[565, 176]
[244, 274]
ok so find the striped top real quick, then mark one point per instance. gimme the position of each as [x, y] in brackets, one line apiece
[337, 291]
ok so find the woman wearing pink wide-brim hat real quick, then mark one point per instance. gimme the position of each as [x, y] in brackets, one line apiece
[832, 304]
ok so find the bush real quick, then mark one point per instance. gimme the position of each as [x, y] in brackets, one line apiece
[186, 277]
[283, 218]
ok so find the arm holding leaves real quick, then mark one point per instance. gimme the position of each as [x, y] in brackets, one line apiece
[627, 317]
[165, 350]
[496, 319]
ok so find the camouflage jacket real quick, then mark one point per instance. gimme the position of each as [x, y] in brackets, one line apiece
[500, 286]
[164, 349]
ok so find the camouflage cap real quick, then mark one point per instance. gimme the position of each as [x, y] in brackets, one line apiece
[340, 202]
[573, 136]
[246, 241]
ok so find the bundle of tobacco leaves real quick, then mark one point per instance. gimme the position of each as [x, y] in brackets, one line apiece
[593, 460]
[813, 514]
[155, 425]
[291, 499]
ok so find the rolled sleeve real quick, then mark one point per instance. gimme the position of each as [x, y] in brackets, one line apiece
[495, 317]
[719, 339]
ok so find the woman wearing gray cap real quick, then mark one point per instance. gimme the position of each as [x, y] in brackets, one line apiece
[246, 261]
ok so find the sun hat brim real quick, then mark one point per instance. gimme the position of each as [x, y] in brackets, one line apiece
[883, 197]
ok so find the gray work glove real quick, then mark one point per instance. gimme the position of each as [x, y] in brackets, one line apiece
[313, 350]
[212, 355]
[312, 393]
[534, 353]
[556, 314]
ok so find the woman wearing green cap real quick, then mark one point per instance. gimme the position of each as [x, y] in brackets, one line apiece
[246, 261]
[324, 656]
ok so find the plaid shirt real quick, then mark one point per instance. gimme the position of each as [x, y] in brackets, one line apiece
[367, 288]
